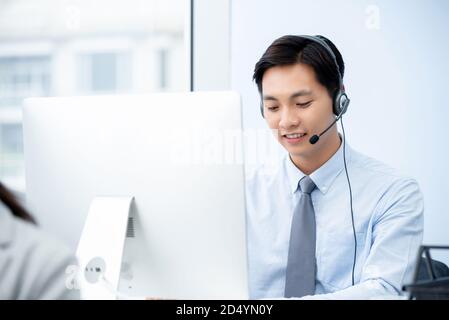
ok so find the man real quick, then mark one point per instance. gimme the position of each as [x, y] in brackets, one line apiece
[329, 222]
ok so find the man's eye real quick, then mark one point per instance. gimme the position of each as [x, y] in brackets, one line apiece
[304, 105]
[272, 108]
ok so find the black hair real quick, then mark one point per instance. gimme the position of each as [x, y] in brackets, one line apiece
[10, 201]
[290, 49]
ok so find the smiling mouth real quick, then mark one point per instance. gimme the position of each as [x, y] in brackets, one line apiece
[294, 135]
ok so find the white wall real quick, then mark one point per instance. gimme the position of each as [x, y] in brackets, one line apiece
[396, 75]
[211, 45]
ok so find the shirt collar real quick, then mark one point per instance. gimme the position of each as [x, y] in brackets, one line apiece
[324, 176]
[293, 173]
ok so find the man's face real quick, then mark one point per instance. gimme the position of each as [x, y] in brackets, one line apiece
[297, 106]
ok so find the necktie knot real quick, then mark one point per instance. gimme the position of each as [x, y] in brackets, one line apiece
[307, 185]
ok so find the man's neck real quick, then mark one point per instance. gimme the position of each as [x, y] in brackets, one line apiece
[307, 165]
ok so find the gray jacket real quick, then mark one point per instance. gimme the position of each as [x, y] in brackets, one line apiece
[32, 264]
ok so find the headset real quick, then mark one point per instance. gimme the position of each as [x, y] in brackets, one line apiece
[340, 103]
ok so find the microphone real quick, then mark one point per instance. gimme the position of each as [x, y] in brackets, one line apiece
[314, 139]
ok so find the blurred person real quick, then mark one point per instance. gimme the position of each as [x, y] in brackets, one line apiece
[32, 264]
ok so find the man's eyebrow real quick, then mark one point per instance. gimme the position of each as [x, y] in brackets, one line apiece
[301, 93]
[294, 95]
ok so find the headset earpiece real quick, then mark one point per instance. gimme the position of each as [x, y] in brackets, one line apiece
[340, 103]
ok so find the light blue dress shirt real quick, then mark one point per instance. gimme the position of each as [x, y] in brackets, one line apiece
[388, 213]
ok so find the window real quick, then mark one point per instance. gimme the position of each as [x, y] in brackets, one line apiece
[22, 77]
[104, 73]
[162, 69]
[11, 152]
[57, 48]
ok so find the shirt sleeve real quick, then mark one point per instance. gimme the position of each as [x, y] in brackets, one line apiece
[397, 235]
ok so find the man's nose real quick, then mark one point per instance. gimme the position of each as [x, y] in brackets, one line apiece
[289, 118]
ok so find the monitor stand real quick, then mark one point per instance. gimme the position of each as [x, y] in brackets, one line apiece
[100, 249]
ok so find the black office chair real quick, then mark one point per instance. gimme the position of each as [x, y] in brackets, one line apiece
[439, 269]
[431, 280]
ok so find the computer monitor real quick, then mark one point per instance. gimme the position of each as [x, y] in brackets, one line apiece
[179, 155]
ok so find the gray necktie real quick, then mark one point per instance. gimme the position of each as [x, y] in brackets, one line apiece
[300, 274]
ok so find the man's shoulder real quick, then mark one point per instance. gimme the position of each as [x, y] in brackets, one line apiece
[378, 175]
[264, 172]
[376, 168]
[266, 179]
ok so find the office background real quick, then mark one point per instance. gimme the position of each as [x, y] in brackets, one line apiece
[395, 54]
